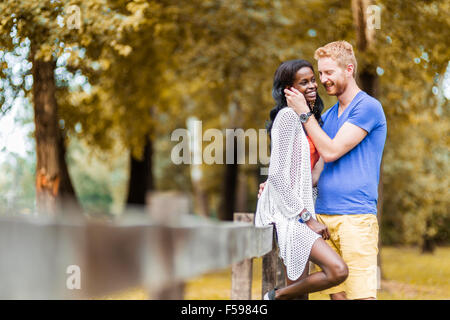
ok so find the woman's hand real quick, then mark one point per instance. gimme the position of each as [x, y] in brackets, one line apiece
[296, 100]
[319, 228]
[261, 188]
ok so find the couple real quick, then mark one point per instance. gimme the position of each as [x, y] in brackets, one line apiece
[343, 147]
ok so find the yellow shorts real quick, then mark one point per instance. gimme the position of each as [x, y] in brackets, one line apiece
[355, 238]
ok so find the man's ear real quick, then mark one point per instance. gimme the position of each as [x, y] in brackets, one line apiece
[350, 68]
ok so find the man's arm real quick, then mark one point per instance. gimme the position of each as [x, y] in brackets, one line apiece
[348, 136]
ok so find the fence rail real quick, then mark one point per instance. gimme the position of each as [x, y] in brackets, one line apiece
[39, 257]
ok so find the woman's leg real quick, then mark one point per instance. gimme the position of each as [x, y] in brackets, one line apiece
[334, 271]
[303, 276]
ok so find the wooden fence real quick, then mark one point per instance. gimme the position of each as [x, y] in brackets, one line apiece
[67, 258]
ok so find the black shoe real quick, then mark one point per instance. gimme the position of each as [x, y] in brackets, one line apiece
[270, 295]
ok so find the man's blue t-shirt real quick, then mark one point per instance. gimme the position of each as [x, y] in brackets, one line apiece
[349, 185]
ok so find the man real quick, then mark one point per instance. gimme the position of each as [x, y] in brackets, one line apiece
[351, 143]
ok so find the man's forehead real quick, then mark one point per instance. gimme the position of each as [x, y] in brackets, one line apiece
[326, 63]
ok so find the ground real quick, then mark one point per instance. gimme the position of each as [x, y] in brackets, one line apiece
[408, 275]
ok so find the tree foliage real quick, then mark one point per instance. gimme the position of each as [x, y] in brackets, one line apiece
[137, 69]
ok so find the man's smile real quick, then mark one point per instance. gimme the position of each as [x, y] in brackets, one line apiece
[328, 84]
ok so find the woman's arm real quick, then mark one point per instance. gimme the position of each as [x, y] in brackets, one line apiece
[317, 171]
[281, 176]
[283, 162]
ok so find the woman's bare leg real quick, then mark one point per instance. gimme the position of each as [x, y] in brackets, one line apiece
[303, 276]
[339, 296]
[334, 271]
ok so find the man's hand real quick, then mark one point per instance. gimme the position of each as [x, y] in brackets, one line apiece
[296, 100]
[319, 228]
[261, 188]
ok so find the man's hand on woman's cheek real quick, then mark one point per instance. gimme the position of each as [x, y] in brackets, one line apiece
[296, 100]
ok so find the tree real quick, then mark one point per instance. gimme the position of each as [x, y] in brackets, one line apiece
[127, 84]
[412, 64]
[230, 73]
[40, 24]
[34, 22]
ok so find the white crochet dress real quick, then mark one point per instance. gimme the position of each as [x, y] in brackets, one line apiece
[288, 191]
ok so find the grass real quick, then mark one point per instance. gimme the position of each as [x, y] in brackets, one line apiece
[412, 275]
[407, 275]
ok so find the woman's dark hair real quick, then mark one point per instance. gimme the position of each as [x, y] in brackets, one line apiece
[285, 77]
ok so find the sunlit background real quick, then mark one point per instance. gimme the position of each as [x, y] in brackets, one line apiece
[133, 72]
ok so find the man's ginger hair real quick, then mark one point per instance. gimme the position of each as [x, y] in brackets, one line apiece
[340, 51]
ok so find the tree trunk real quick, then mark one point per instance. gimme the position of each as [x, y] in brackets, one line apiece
[53, 184]
[229, 187]
[141, 176]
[66, 189]
[429, 243]
[241, 191]
[369, 80]
[201, 203]
[201, 199]
[364, 35]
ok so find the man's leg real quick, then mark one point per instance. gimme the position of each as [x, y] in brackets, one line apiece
[359, 247]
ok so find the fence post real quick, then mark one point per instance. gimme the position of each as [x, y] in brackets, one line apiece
[174, 290]
[281, 277]
[242, 272]
[269, 267]
[168, 206]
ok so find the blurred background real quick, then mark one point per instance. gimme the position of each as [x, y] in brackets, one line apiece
[91, 92]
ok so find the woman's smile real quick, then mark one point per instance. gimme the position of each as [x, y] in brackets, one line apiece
[311, 95]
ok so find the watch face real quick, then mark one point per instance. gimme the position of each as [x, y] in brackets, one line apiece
[306, 216]
[303, 117]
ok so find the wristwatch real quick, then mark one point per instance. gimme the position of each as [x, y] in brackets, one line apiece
[305, 116]
[305, 216]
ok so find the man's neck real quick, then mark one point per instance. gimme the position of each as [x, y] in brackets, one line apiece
[348, 95]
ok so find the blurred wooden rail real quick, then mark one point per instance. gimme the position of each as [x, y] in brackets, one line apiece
[134, 251]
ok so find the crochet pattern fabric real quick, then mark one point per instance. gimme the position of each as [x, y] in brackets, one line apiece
[288, 191]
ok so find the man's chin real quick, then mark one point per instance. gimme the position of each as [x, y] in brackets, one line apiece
[331, 91]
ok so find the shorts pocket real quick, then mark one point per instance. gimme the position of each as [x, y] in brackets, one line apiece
[359, 239]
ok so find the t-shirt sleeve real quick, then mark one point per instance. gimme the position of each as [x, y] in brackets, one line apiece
[367, 115]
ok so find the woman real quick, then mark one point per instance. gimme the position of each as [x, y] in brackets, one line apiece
[287, 200]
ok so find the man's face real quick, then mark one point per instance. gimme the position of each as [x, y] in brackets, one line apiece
[332, 75]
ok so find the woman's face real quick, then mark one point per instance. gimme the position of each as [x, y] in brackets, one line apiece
[305, 82]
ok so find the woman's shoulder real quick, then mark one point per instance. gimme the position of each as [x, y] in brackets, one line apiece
[287, 115]
[286, 110]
